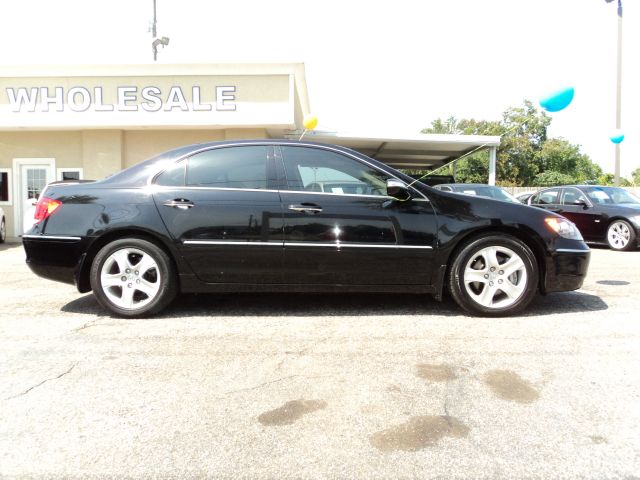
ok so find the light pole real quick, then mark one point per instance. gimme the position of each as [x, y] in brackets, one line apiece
[618, 92]
[164, 41]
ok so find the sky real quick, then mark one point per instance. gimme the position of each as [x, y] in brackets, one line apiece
[376, 66]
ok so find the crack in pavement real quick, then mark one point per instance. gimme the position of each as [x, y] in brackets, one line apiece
[42, 383]
[86, 325]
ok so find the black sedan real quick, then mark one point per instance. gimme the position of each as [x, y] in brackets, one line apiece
[608, 215]
[250, 216]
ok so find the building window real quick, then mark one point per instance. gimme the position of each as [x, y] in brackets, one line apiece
[5, 188]
[64, 174]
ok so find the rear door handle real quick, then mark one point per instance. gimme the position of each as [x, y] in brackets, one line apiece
[306, 208]
[181, 203]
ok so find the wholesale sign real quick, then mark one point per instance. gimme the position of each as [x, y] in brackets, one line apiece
[147, 101]
[127, 99]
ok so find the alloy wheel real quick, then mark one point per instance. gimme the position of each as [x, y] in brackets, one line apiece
[618, 235]
[130, 278]
[495, 277]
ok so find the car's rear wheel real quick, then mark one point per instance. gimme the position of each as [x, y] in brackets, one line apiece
[494, 276]
[3, 231]
[133, 277]
[621, 235]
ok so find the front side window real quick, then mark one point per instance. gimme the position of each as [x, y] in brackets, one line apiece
[323, 171]
[231, 167]
[547, 197]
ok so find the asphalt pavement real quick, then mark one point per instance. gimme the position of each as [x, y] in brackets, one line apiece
[321, 386]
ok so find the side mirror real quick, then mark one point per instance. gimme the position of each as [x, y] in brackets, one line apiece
[581, 201]
[398, 190]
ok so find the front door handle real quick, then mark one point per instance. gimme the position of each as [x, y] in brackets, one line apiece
[181, 203]
[306, 208]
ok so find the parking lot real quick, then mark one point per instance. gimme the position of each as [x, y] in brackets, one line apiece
[341, 386]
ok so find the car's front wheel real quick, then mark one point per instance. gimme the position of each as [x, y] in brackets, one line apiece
[3, 231]
[133, 277]
[494, 276]
[621, 235]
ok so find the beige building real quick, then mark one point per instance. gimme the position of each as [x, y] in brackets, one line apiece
[59, 123]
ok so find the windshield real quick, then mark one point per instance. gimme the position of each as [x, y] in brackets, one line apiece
[611, 195]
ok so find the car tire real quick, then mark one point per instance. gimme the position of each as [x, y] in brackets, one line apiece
[3, 231]
[494, 275]
[133, 277]
[621, 235]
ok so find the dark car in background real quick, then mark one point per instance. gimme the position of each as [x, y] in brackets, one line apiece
[277, 215]
[609, 215]
[3, 226]
[480, 190]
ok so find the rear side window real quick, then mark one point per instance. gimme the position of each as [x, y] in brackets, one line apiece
[547, 197]
[231, 167]
[173, 176]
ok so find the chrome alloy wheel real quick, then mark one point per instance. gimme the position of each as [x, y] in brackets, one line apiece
[495, 277]
[130, 278]
[618, 235]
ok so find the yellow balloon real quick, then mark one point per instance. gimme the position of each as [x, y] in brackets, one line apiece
[310, 122]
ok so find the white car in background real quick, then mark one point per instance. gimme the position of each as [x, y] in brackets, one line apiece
[3, 226]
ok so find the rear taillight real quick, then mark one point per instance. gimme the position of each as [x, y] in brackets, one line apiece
[45, 207]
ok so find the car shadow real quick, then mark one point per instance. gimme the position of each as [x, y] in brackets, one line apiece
[343, 304]
[286, 304]
[9, 246]
[565, 302]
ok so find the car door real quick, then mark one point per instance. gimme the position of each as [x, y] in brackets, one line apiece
[223, 210]
[580, 210]
[352, 236]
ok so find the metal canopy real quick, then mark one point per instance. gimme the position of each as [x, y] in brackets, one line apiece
[423, 151]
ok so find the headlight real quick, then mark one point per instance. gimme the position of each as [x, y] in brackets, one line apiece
[563, 227]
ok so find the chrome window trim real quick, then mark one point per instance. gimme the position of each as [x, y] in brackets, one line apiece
[304, 244]
[157, 187]
[51, 237]
[152, 177]
[304, 192]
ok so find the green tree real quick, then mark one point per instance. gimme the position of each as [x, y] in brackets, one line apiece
[635, 176]
[558, 155]
[523, 131]
[473, 169]
[525, 151]
[552, 178]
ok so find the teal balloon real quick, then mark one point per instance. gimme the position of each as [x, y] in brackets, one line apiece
[617, 137]
[557, 100]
